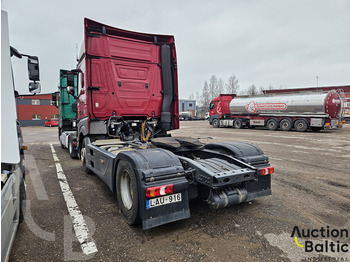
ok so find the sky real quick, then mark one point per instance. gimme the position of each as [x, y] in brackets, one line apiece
[262, 42]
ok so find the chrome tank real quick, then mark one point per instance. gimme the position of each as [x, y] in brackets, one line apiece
[297, 104]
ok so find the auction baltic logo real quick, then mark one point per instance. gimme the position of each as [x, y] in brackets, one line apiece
[321, 240]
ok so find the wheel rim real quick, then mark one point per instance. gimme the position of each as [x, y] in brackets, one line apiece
[215, 122]
[300, 125]
[82, 152]
[285, 125]
[272, 125]
[125, 190]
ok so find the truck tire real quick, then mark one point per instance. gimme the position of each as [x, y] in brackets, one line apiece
[59, 137]
[272, 124]
[127, 192]
[216, 122]
[286, 124]
[301, 125]
[22, 201]
[86, 141]
[237, 124]
[72, 152]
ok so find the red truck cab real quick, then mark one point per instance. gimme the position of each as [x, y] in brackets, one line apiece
[127, 78]
[220, 106]
[129, 91]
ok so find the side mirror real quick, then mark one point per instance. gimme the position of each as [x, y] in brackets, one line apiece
[34, 87]
[70, 78]
[54, 99]
[33, 68]
[70, 90]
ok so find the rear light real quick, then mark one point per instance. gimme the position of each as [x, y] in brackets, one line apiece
[328, 125]
[267, 171]
[24, 147]
[159, 190]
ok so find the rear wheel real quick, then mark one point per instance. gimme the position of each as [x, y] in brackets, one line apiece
[216, 122]
[301, 125]
[272, 124]
[237, 123]
[83, 153]
[59, 137]
[127, 193]
[72, 152]
[286, 124]
[62, 146]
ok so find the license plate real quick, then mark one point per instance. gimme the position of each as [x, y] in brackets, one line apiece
[164, 200]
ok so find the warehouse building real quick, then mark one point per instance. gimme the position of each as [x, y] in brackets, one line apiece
[34, 110]
[187, 106]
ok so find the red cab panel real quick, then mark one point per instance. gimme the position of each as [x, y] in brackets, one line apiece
[123, 74]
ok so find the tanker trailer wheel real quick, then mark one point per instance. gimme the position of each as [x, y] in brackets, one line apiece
[83, 155]
[216, 122]
[301, 125]
[286, 124]
[127, 193]
[237, 123]
[272, 124]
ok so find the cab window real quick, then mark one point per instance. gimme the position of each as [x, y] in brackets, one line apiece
[212, 106]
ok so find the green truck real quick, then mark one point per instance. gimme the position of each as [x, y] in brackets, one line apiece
[66, 103]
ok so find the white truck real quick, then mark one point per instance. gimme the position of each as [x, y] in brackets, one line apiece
[13, 187]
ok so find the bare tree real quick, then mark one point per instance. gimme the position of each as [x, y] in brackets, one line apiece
[252, 90]
[213, 83]
[198, 97]
[191, 97]
[232, 85]
[205, 97]
[261, 90]
[220, 88]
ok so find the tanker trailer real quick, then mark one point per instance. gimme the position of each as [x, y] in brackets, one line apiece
[306, 111]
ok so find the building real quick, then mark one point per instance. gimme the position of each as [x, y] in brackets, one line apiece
[344, 90]
[34, 110]
[187, 105]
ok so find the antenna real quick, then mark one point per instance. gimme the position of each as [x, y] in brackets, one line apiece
[76, 52]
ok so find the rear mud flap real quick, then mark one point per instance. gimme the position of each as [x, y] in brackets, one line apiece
[159, 167]
[157, 216]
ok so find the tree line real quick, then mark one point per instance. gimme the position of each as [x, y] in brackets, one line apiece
[216, 86]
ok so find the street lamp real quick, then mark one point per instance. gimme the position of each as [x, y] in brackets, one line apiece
[317, 80]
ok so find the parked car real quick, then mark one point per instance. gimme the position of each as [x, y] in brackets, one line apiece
[51, 123]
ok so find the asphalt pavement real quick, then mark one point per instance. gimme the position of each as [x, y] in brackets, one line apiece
[310, 191]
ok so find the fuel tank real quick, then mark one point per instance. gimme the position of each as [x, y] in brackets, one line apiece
[299, 104]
